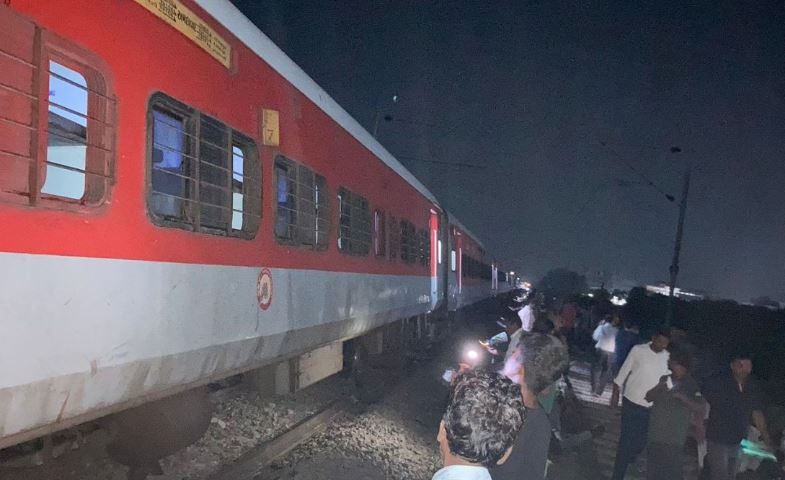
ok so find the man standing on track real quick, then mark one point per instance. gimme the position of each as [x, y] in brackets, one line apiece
[645, 366]
[527, 313]
[676, 399]
[605, 337]
[735, 403]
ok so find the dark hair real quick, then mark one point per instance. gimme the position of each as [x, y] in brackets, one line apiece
[740, 355]
[544, 359]
[483, 417]
[661, 330]
[681, 356]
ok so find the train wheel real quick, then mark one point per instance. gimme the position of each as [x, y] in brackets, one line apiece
[368, 377]
[143, 435]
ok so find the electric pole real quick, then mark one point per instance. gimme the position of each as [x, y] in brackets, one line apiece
[674, 268]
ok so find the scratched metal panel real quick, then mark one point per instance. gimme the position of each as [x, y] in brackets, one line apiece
[81, 334]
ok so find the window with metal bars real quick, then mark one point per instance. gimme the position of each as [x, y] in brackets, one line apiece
[409, 242]
[394, 237]
[424, 245]
[203, 175]
[57, 119]
[379, 233]
[302, 214]
[354, 230]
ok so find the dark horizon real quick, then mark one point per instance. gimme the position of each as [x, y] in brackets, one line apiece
[563, 105]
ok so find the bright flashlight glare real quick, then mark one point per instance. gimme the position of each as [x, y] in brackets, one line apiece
[472, 354]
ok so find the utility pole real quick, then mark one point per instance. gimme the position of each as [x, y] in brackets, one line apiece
[674, 268]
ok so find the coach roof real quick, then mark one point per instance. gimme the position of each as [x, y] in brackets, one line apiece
[241, 27]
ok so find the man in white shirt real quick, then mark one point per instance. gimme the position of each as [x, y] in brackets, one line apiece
[479, 427]
[514, 332]
[527, 317]
[605, 344]
[641, 372]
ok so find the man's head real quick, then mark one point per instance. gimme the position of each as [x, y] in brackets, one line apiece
[660, 338]
[741, 365]
[512, 324]
[679, 362]
[542, 359]
[482, 419]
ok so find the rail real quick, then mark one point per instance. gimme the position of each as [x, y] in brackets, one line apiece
[254, 461]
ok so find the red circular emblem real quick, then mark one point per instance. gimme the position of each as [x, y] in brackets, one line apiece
[264, 289]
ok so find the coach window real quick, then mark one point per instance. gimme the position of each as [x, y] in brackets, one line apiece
[394, 236]
[302, 213]
[66, 150]
[409, 242]
[322, 218]
[204, 176]
[425, 248]
[70, 113]
[354, 232]
[379, 233]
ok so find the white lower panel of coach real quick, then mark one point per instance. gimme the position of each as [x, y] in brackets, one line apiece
[468, 295]
[82, 337]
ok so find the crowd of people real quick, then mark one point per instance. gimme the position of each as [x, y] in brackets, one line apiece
[499, 422]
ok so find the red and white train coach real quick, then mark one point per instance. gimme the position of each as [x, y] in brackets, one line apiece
[180, 202]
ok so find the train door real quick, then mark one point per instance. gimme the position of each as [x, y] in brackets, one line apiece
[459, 261]
[436, 252]
[443, 264]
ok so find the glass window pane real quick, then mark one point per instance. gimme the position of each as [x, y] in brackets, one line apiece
[66, 152]
[238, 158]
[237, 211]
[170, 182]
[214, 198]
[286, 216]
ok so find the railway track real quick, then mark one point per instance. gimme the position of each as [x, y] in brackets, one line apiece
[250, 465]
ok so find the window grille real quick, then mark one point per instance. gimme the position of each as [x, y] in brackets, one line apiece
[424, 245]
[302, 205]
[204, 176]
[354, 232]
[57, 119]
[409, 242]
[394, 236]
[380, 233]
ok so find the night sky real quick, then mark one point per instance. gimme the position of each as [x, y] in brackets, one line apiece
[560, 104]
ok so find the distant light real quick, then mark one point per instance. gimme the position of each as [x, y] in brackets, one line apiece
[591, 295]
[618, 301]
[472, 354]
[512, 273]
[395, 98]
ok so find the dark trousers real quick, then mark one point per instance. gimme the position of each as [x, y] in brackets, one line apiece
[664, 462]
[602, 371]
[632, 440]
[722, 460]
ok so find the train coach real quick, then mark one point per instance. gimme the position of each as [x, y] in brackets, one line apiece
[181, 203]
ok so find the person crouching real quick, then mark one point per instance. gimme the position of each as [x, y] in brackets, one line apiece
[480, 424]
